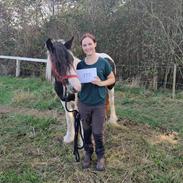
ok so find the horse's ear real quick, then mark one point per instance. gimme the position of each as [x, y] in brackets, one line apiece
[49, 45]
[68, 44]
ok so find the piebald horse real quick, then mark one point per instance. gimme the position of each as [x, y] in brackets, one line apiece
[61, 70]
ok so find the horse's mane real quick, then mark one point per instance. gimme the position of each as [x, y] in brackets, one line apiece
[61, 59]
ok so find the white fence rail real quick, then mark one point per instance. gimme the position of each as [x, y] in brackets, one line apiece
[19, 59]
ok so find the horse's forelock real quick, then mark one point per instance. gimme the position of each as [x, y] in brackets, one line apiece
[61, 59]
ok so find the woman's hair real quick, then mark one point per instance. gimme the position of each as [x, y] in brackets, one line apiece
[87, 34]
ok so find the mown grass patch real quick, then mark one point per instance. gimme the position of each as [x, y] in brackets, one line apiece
[141, 149]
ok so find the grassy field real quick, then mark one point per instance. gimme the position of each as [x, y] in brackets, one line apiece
[146, 147]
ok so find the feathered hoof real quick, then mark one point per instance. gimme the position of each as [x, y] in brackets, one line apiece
[80, 142]
[113, 120]
[68, 139]
[113, 123]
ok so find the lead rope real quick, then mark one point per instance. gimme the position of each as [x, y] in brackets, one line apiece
[77, 129]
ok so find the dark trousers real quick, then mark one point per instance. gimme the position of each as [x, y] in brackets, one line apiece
[93, 119]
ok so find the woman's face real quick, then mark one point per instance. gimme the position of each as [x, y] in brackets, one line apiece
[88, 46]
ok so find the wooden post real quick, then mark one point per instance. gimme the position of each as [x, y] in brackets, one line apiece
[174, 80]
[17, 68]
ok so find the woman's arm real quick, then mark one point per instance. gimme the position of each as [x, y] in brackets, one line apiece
[109, 81]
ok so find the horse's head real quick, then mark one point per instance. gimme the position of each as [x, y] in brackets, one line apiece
[62, 64]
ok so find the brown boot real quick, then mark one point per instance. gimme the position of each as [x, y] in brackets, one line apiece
[87, 161]
[100, 164]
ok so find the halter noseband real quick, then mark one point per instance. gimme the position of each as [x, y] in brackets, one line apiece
[68, 76]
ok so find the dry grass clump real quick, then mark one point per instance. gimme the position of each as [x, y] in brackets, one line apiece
[23, 97]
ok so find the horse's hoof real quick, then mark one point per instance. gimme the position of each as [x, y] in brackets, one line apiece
[80, 143]
[114, 124]
[68, 139]
[113, 121]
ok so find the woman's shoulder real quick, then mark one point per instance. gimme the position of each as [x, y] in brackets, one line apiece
[102, 60]
[104, 63]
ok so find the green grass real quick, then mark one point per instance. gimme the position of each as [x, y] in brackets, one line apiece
[33, 125]
[25, 175]
[157, 109]
[27, 92]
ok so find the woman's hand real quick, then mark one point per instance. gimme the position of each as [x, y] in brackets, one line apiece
[97, 81]
[110, 80]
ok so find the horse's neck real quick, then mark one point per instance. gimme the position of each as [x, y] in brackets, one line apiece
[76, 61]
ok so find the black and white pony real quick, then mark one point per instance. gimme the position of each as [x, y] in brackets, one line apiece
[61, 70]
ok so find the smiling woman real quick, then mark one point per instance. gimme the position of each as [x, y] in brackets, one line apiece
[92, 100]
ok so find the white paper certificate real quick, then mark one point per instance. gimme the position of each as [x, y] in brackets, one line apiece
[87, 75]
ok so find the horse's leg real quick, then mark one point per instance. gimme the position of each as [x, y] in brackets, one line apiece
[113, 118]
[69, 137]
[80, 141]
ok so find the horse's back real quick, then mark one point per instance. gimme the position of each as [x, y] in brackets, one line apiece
[106, 56]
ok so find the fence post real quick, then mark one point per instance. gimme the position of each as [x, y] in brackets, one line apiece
[17, 68]
[174, 80]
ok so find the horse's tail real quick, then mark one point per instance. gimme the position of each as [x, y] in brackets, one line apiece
[107, 107]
